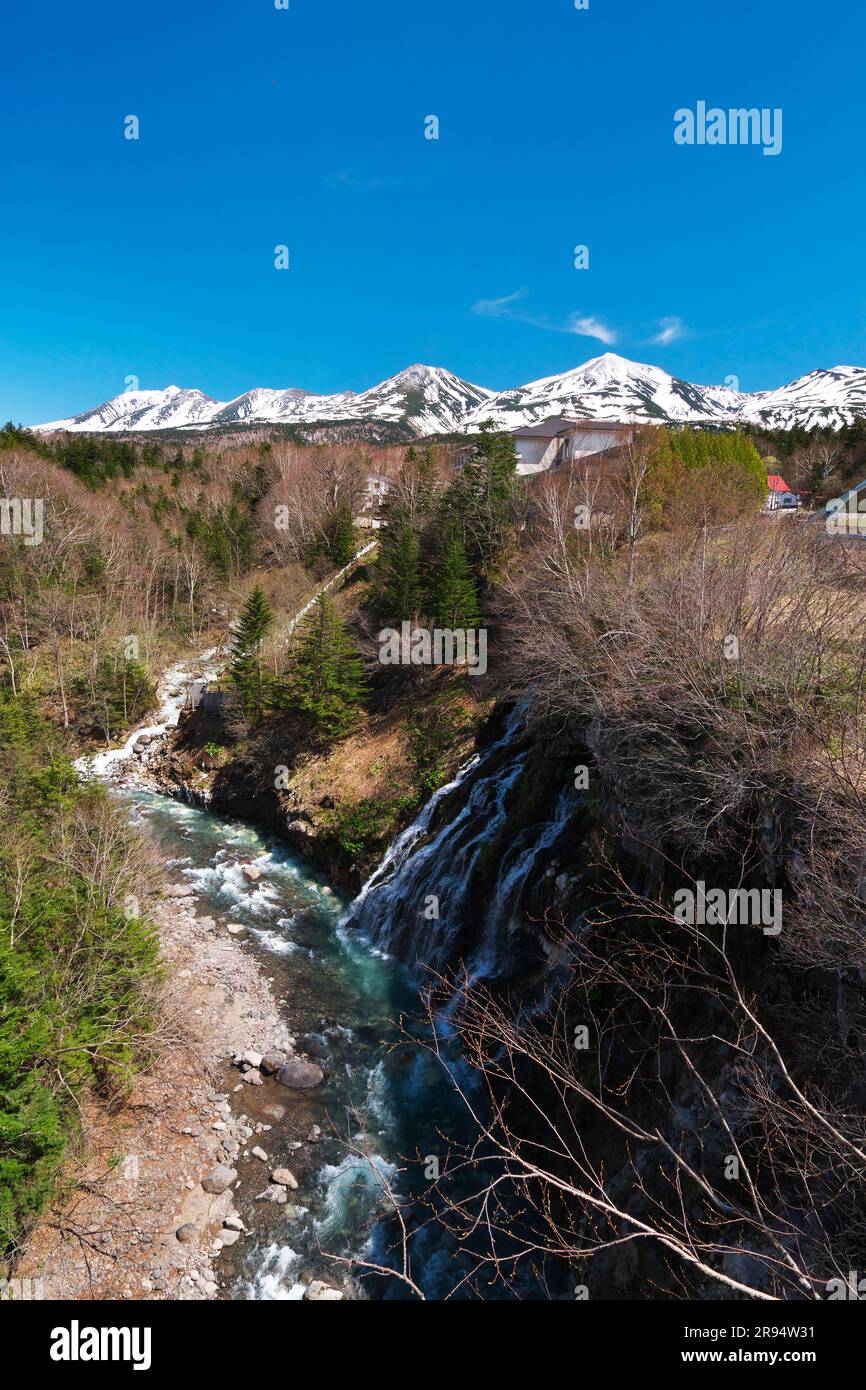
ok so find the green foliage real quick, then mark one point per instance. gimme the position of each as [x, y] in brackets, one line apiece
[76, 972]
[365, 826]
[342, 544]
[437, 728]
[225, 534]
[397, 593]
[482, 505]
[718, 470]
[114, 695]
[455, 601]
[327, 679]
[246, 670]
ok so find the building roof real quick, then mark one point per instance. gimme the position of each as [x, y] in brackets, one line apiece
[776, 483]
[559, 424]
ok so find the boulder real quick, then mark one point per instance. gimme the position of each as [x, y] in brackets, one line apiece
[300, 1076]
[320, 1292]
[187, 1233]
[273, 1194]
[228, 1237]
[315, 1135]
[253, 1059]
[219, 1179]
[271, 1062]
[180, 890]
[284, 1178]
[251, 873]
[253, 1077]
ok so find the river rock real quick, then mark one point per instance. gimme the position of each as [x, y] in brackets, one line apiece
[219, 1179]
[273, 1194]
[235, 928]
[229, 1237]
[300, 1076]
[271, 1062]
[186, 1234]
[180, 890]
[253, 1059]
[253, 1077]
[315, 1135]
[320, 1292]
[259, 1153]
[251, 873]
[284, 1178]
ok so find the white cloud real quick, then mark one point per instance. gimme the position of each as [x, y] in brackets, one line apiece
[590, 327]
[580, 325]
[498, 308]
[670, 330]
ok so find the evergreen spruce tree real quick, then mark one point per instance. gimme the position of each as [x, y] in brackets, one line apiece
[327, 681]
[455, 601]
[343, 541]
[397, 592]
[482, 504]
[246, 670]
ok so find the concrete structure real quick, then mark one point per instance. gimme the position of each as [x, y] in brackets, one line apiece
[558, 443]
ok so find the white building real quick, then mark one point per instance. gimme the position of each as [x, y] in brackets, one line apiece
[557, 443]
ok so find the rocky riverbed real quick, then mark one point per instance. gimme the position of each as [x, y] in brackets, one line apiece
[153, 1199]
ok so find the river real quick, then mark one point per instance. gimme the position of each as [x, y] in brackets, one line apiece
[387, 1108]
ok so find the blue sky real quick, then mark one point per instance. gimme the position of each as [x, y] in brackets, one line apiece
[155, 258]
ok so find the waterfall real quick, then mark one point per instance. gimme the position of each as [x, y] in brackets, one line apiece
[452, 887]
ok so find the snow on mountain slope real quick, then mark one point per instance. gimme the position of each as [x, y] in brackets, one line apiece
[431, 400]
[611, 388]
[142, 410]
[822, 398]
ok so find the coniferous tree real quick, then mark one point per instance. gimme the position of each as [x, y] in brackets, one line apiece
[247, 672]
[455, 601]
[327, 682]
[482, 504]
[397, 593]
[343, 540]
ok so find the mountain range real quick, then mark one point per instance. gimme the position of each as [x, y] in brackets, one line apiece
[430, 400]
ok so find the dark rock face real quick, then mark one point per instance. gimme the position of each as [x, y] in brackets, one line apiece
[300, 1076]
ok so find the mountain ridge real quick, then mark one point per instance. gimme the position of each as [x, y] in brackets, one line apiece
[432, 400]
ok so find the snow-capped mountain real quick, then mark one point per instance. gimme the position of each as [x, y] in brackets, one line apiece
[430, 400]
[828, 399]
[612, 388]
